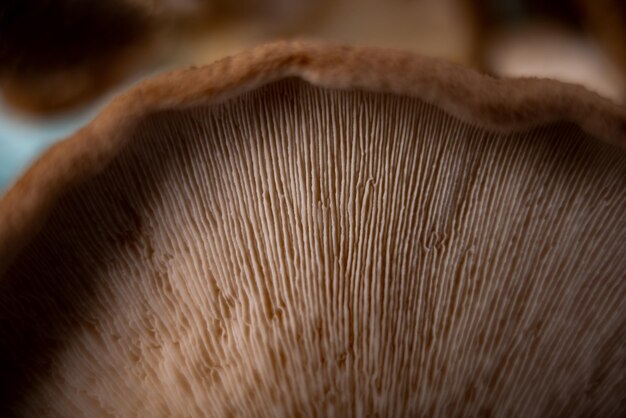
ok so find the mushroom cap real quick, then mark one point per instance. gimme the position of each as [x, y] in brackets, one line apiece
[315, 230]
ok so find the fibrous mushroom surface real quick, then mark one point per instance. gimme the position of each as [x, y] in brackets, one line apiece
[301, 250]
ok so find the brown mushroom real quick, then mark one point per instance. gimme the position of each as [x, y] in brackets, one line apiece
[309, 230]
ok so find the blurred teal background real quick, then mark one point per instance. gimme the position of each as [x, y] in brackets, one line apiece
[24, 138]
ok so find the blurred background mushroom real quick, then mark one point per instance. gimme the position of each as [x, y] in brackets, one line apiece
[61, 60]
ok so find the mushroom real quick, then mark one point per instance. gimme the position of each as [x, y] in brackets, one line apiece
[57, 54]
[310, 230]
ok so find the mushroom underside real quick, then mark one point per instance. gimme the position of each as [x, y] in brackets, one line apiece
[302, 251]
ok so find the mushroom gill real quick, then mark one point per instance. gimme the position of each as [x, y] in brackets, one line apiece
[279, 239]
